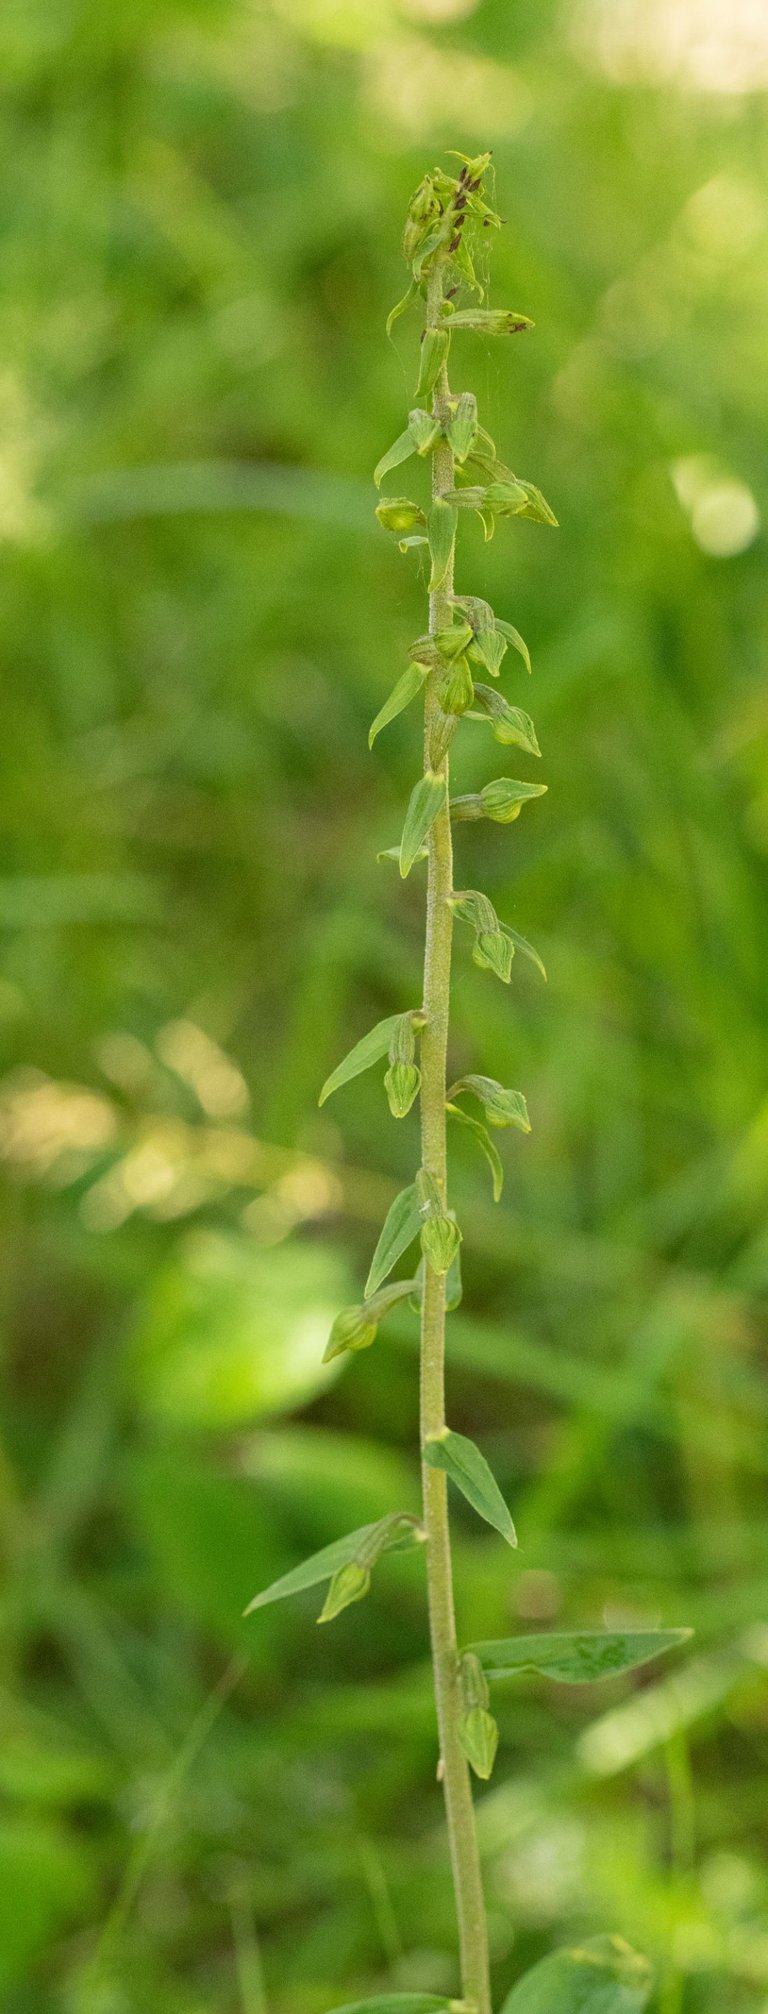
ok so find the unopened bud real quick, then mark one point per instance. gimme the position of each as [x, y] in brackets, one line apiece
[457, 691]
[479, 1737]
[451, 642]
[350, 1583]
[440, 1240]
[492, 321]
[401, 1084]
[352, 1330]
[462, 427]
[399, 514]
[424, 430]
[434, 350]
[494, 952]
[488, 649]
[506, 499]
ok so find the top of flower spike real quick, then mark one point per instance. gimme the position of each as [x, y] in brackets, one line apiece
[438, 213]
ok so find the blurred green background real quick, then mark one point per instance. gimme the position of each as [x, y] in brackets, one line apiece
[201, 208]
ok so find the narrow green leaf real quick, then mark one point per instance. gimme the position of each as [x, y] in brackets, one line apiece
[401, 1226]
[399, 452]
[399, 308]
[408, 685]
[469, 1470]
[579, 1657]
[390, 1532]
[367, 1051]
[441, 531]
[517, 641]
[427, 798]
[401, 2003]
[601, 1976]
[435, 344]
[528, 950]
[486, 1145]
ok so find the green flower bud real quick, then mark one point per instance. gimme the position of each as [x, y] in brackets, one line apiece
[399, 514]
[350, 1583]
[457, 691]
[440, 1240]
[401, 1084]
[494, 952]
[451, 642]
[492, 321]
[503, 799]
[479, 1737]
[434, 350]
[352, 1330]
[462, 427]
[506, 499]
[488, 649]
[424, 430]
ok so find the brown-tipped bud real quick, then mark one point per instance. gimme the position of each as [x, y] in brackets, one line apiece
[457, 690]
[349, 1584]
[479, 1737]
[494, 952]
[352, 1330]
[401, 1084]
[399, 514]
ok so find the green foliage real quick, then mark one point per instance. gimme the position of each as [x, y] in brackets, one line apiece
[602, 1976]
[469, 1470]
[580, 1657]
[360, 1548]
[199, 618]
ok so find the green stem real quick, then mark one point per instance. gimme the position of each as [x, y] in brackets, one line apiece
[459, 1808]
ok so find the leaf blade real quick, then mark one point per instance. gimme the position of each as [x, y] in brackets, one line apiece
[365, 1053]
[406, 689]
[486, 1145]
[601, 1976]
[401, 1225]
[399, 2003]
[577, 1657]
[426, 800]
[469, 1470]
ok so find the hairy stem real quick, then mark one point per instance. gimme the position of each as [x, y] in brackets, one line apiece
[462, 1833]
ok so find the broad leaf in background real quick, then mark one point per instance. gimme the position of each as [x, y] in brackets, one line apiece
[601, 1976]
[469, 1470]
[580, 1657]
[231, 1331]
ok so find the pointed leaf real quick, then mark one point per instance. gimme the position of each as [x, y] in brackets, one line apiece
[601, 1976]
[487, 1147]
[410, 682]
[517, 641]
[399, 308]
[469, 1470]
[528, 950]
[367, 1051]
[401, 1226]
[579, 1657]
[427, 798]
[399, 452]
[441, 531]
[398, 1530]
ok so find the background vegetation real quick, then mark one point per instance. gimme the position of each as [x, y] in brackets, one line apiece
[201, 207]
